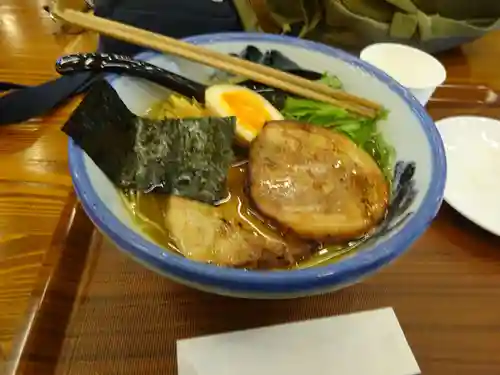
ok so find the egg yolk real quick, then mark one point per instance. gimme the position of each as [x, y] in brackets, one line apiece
[248, 109]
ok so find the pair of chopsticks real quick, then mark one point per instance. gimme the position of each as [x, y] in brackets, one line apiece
[263, 74]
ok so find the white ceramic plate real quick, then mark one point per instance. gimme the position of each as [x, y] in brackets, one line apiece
[473, 155]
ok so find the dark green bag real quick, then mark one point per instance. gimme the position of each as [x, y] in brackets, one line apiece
[432, 25]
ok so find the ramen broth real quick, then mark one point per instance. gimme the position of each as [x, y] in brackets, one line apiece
[148, 210]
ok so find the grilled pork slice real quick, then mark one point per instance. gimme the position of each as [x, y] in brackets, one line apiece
[208, 234]
[315, 181]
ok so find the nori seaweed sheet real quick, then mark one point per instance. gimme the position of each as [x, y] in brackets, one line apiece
[186, 157]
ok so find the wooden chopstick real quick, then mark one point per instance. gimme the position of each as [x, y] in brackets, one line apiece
[234, 65]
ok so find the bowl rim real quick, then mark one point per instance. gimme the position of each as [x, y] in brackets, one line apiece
[357, 265]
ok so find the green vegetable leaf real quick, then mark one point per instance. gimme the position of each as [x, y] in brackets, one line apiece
[331, 80]
[304, 109]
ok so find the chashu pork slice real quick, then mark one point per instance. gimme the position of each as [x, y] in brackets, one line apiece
[208, 234]
[316, 182]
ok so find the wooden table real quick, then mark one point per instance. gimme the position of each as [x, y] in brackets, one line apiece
[447, 288]
[34, 180]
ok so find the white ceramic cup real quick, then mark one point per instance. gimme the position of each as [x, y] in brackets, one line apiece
[414, 69]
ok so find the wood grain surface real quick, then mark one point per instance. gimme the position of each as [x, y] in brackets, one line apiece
[34, 180]
[453, 275]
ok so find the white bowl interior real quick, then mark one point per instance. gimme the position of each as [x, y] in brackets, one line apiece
[402, 128]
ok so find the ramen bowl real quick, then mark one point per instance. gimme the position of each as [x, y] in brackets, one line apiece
[417, 191]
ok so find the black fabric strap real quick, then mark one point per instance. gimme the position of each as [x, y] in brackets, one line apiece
[26, 103]
[176, 18]
[6, 86]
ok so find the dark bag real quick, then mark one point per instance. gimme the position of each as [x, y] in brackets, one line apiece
[432, 25]
[175, 18]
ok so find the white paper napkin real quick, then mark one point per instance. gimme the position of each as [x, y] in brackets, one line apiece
[366, 343]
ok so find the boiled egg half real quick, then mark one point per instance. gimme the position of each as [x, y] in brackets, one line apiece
[251, 110]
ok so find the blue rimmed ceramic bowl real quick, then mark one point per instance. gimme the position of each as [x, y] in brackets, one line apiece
[417, 193]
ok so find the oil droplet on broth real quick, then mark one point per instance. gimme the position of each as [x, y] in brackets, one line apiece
[238, 205]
